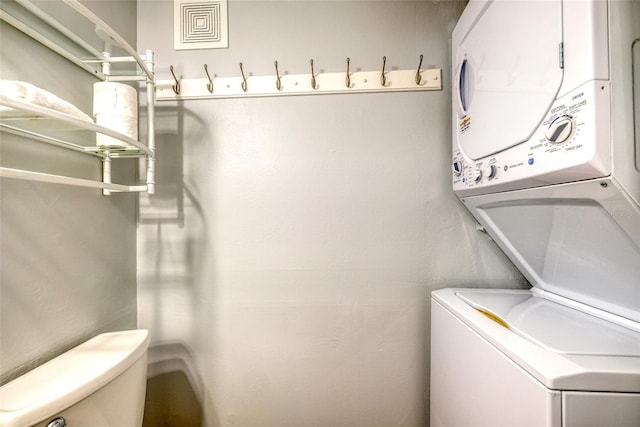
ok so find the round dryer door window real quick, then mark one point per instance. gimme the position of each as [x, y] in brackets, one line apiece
[508, 72]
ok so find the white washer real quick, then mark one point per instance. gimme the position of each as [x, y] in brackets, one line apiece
[546, 153]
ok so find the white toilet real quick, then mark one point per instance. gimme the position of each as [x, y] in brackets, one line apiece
[100, 383]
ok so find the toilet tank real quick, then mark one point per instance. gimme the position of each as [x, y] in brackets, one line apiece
[100, 383]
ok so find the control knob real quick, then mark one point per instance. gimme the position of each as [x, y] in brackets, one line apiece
[477, 175]
[560, 129]
[491, 171]
[456, 167]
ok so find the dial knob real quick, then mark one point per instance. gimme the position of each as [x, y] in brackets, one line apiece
[477, 175]
[457, 168]
[491, 171]
[560, 129]
[58, 422]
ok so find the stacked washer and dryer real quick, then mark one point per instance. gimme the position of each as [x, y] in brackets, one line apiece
[546, 156]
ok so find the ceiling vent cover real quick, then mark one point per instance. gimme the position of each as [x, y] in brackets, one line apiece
[200, 24]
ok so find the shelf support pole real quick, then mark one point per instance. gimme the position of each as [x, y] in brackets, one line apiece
[106, 173]
[151, 141]
[106, 162]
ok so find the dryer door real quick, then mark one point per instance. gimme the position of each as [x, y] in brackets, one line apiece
[507, 72]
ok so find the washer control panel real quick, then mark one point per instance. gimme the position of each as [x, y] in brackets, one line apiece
[572, 143]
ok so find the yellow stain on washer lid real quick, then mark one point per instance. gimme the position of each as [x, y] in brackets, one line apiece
[499, 320]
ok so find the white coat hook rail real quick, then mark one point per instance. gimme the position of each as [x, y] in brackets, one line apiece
[248, 85]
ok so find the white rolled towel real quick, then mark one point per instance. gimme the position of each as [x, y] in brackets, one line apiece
[31, 94]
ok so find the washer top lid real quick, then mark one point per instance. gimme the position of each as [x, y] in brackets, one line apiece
[555, 326]
[580, 241]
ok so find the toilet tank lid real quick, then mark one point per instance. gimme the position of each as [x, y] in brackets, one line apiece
[70, 377]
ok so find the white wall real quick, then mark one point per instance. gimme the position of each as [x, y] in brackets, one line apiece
[286, 263]
[67, 255]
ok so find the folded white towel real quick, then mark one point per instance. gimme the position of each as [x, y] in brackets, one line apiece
[31, 94]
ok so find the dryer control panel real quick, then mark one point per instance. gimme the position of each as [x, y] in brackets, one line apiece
[572, 143]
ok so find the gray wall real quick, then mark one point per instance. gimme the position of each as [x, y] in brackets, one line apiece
[67, 254]
[285, 264]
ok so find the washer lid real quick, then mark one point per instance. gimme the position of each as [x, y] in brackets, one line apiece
[580, 241]
[554, 326]
[508, 72]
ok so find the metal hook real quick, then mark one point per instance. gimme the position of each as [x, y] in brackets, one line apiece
[314, 85]
[176, 87]
[383, 77]
[278, 82]
[347, 80]
[210, 84]
[418, 76]
[244, 79]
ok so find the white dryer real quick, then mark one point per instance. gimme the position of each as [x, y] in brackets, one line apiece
[546, 156]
